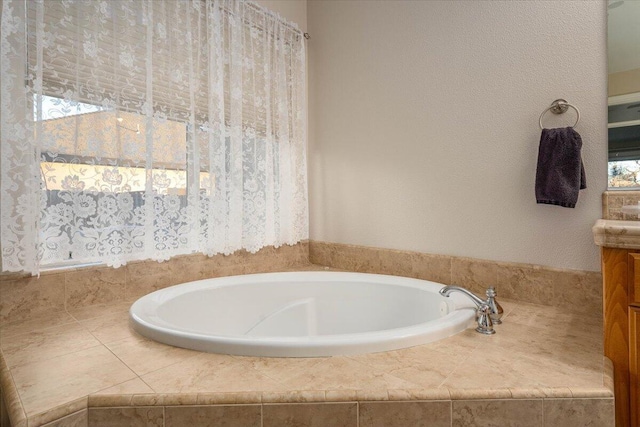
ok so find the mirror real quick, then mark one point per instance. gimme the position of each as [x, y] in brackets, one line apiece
[623, 42]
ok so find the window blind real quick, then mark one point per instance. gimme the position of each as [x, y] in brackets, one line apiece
[137, 64]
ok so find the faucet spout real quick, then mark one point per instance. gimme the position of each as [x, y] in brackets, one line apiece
[447, 290]
[488, 312]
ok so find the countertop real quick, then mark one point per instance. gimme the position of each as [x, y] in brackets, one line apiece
[60, 363]
[617, 233]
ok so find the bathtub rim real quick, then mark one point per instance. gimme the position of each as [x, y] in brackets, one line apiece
[456, 321]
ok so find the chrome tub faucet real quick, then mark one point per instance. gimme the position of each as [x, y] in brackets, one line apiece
[489, 311]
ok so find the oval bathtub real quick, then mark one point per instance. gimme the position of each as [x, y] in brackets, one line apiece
[301, 314]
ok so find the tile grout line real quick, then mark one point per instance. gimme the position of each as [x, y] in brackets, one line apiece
[250, 366]
[109, 387]
[121, 361]
[450, 411]
[66, 294]
[46, 328]
[153, 389]
[89, 319]
[450, 271]
[197, 354]
[463, 361]
[20, 365]
[126, 281]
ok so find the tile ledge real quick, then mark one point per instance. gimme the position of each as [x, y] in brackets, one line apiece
[58, 413]
[342, 395]
[19, 418]
[617, 233]
[601, 391]
[15, 409]
[97, 400]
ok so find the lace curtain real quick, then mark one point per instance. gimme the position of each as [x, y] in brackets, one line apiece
[143, 129]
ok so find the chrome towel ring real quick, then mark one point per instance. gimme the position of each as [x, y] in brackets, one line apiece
[560, 106]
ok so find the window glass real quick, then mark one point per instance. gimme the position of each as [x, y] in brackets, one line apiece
[624, 144]
[91, 153]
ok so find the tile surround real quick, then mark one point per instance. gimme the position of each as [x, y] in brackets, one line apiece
[209, 372]
[310, 415]
[214, 416]
[145, 383]
[573, 290]
[503, 413]
[596, 412]
[46, 344]
[579, 412]
[94, 286]
[414, 382]
[55, 292]
[24, 297]
[35, 323]
[131, 417]
[343, 373]
[109, 328]
[10, 398]
[4, 415]
[49, 383]
[129, 387]
[77, 419]
[613, 200]
[144, 356]
[429, 368]
[402, 414]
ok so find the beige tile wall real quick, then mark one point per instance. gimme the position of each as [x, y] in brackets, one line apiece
[399, 414]
[511, 413]
[576, 412]
[23, 297]
[446, 413]
[612, 202]
[217, 415]
[310, 414]
[141, 416]
[77, 419]
[576, 291]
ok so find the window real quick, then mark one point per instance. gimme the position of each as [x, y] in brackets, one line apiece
[148, 130]
[624, 141]
[90, 148]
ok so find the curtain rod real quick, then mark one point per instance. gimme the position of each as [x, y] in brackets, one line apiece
[282, 20]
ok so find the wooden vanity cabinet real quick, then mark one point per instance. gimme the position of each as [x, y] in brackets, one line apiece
[634, 363]
[634, 337]
[621, 299]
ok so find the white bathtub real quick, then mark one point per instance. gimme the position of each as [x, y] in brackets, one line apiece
[301, 314]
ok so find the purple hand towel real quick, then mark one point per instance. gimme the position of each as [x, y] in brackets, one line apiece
[560, 173]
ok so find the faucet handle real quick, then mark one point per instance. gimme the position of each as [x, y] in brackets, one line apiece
[494, 306]
[485, 325]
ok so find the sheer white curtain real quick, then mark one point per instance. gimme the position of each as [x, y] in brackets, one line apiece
[136, 129]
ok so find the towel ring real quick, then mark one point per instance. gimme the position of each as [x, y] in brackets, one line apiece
[559, 106]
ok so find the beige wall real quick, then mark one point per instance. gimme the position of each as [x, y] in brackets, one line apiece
[624, 82]
[424, 125]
